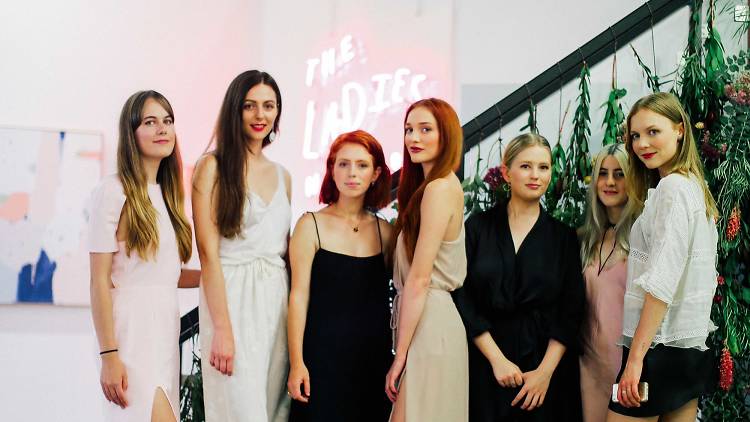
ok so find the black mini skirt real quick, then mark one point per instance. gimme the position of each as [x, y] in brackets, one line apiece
[675, 376]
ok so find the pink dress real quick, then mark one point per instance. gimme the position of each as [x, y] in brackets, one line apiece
[144, 303]
[601, 358]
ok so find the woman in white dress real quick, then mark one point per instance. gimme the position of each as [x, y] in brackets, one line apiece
[242, 216]
[138, 236]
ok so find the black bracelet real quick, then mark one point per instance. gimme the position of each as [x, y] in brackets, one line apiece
[107, 351]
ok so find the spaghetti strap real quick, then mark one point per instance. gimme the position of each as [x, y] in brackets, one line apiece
[316, 228]
[380, 236]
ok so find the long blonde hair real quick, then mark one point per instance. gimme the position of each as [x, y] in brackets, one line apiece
[143, 233]
[596, 213]
[685, 162]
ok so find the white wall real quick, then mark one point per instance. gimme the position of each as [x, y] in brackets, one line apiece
[505, 44]
[72, 64]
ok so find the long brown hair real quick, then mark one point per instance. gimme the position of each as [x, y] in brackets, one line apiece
[232, 149]
[685, 162]
[412, 182]
[143, 233]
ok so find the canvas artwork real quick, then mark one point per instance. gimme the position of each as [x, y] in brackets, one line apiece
[46, 178]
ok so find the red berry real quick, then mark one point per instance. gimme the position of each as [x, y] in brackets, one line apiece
[726, 370]
[733, 225]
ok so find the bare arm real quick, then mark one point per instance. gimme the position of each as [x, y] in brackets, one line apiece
[386, 230]
[189, 279]
[536, 382]
[101, 299]
[652, 315]
[302, 249]
[435, 220]
[288, 179]
[555, 352]
[113, 377]
[207, 239]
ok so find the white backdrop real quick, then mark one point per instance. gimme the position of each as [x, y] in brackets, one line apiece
[72, 64]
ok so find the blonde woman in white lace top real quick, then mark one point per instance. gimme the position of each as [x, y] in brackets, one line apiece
[671, 267]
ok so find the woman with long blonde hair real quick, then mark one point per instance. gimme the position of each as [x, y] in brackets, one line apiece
[522, 299]
[671, 268]
[604, 252]
[428, 380]
[138, 238]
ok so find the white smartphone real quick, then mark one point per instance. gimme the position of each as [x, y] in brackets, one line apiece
[642, 392]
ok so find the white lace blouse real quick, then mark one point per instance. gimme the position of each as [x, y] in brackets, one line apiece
[673, 258]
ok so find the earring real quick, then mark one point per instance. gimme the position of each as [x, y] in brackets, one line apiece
[271, 137]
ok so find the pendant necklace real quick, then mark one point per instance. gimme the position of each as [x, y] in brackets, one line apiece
[601, 245]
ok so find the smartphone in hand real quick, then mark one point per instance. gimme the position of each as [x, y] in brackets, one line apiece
[642, 391]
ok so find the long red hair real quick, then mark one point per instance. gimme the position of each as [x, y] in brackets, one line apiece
[412, 183]
[378, 195]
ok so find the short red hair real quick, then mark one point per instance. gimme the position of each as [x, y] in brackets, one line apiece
[378, 195]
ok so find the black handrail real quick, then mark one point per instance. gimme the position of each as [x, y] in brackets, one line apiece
[537, 89]
[188, 325]
[599, 48]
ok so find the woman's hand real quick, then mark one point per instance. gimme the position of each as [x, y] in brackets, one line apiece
[114, 379]
[222, 351]
[507, 373]
[627, 390]
[299, 376]
[393, 378]
[535, 385]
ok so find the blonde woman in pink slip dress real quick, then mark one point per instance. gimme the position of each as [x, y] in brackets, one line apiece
[138, 238]
[604, 252]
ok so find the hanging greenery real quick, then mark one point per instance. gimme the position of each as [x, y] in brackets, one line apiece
[482, 193]
[554, 190]
[613, 115]
[576, 162]
[691, 75]
[652, 79]
[531, 125]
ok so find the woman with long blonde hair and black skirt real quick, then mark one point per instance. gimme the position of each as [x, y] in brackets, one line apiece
[138, 238]
[671, 268]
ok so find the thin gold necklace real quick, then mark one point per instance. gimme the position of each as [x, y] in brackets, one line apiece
[355, 228]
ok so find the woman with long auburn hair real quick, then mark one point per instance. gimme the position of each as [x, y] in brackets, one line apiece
[138, 238]
[671, 277]
[339, 335]
[242, 215]
[523, 299]
[428, 380]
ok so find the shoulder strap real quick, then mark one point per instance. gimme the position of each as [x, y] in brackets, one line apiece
[380, 236]
[282, 179]
[316, 227]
